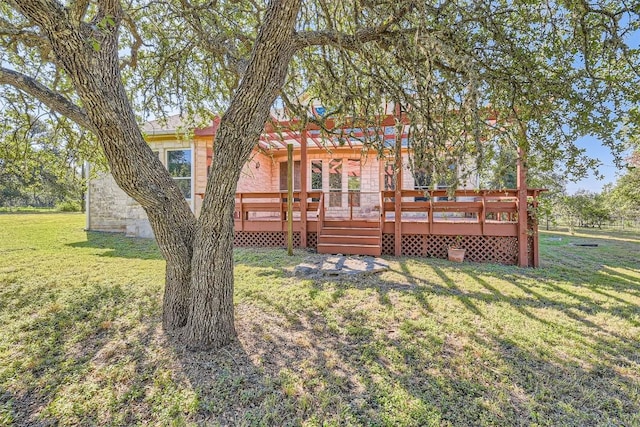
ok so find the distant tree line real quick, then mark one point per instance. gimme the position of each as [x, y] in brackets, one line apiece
[41, 156]
[618, 203]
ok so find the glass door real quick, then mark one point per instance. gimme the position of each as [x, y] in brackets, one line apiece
[335, 183]
[354, 171]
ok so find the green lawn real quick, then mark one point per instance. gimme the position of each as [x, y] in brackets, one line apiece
[427, 343]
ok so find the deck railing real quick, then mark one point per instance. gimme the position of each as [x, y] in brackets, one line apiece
[412, 222]
[267, 211]
[320, 213]
[488, 210]
[461, 212]
[461, 205]
[352, 205]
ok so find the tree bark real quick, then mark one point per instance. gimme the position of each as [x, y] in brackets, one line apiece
[210, 323]
[95, 73]
[199, 254]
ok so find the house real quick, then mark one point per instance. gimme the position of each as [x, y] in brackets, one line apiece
[345, 197]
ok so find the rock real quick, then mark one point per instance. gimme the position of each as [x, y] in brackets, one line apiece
[340, 265]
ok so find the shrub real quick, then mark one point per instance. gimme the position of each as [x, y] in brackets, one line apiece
[68, 206]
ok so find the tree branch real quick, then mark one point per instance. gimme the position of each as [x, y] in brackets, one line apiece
[137, 43]
[44, 13]
[78, 9]
[351, 41]
[45, 95]
[336, 38]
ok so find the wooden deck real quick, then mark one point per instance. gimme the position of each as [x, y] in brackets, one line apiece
[361, 223]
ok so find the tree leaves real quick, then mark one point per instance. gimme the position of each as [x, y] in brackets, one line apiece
[41, 154]
[464, 72]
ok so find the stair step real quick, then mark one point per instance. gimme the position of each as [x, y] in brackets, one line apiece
[349, 249]
[344, 239]
[350, 231]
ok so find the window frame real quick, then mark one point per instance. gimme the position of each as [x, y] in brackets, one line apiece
[311, 162]
[179, 178]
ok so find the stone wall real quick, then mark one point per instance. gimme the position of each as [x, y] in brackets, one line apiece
[110, 209]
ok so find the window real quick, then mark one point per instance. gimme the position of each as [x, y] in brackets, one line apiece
[316, 175]
[354, 170]
[422, 182]
[179, 166]
[296, 176]
[447, 181]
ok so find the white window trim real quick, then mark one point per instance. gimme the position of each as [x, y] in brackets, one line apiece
[191, 177]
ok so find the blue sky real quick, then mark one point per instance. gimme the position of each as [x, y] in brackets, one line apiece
[594, 148]
[607, 168]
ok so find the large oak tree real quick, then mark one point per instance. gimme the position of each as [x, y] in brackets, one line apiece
[552, 71]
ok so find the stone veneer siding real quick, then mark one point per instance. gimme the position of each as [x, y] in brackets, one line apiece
[110, 209]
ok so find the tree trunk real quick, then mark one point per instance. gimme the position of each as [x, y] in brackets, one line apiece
[211, 317]
[95, 74]
[199, 254]
[210, 323]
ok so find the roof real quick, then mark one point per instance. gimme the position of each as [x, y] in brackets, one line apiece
[281, 131]
[169, 124]
[174, 124]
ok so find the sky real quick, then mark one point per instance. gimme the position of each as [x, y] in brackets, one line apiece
[608, 169]
[594, 147]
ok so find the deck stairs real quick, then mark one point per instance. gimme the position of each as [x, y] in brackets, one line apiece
[350, 237]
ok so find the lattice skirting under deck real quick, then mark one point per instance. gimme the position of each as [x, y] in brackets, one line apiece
[493, 249]
[266, 239]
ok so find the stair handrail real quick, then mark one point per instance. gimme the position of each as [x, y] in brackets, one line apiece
[320, 213]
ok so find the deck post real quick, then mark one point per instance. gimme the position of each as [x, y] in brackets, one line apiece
[241, 214]
[290, 199]
[483, 212]
[303, 188]
[536, 251]
[523, 256]
[397, 232]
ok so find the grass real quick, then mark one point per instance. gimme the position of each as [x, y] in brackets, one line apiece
[426, 343]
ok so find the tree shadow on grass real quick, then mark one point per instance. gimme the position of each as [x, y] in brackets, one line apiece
[505, 380]
[59, 347]
[342, 364]
[551, 389]
[473, 377]
[339, 367]
[364, 361]
[120, 246]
